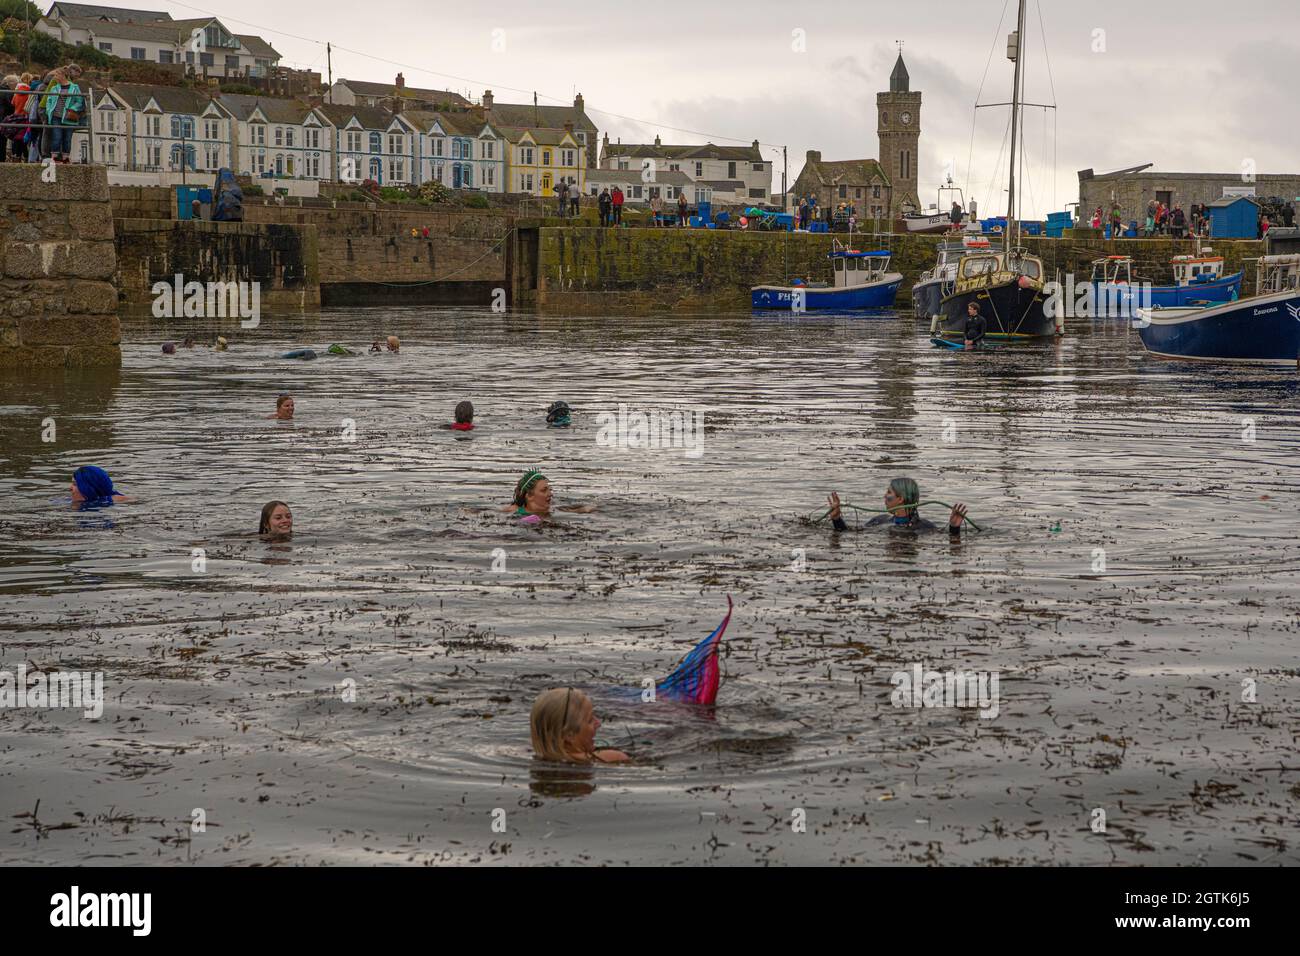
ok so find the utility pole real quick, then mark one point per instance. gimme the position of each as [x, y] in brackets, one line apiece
[329, 66]
[785, 173]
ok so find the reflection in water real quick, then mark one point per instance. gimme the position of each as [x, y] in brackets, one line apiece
[361, 692]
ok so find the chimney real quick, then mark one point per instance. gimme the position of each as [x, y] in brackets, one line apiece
[755, 145]
[401, 81]
[487, 100]
[568, 127]
[814, 155]
[579, 104]
[657, 142]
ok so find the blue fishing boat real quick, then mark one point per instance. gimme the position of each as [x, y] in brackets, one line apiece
[1262, 329]
[1198, 281]
[861, 280]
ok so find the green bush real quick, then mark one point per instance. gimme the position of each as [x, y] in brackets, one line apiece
[477, 201]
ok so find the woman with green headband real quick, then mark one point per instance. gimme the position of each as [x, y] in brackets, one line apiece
[901, 500]
[533, 497]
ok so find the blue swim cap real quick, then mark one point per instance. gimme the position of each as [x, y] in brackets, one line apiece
[93, 483]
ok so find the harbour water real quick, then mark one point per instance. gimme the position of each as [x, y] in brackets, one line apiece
[361, 693]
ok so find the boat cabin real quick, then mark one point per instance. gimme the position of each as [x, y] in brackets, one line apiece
[1190, 270]
[858, 268]
[1277, 274]
[980, 269]
[1113, 270]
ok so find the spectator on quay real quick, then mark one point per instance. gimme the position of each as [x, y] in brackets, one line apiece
[1178, 221]
[603, 202]
[1115, 218]
[1096, 218]
[6, 110]
[812, 208]
[656, 209]
[1149, 229]
[575, 195]
[1262, 226]
[1288, 215]
[616, 199]
[36, 137]
[562, 195]
[681, 209]
[1162, 218]
[803, 213]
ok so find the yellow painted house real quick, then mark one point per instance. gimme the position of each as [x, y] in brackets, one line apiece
[538, 159]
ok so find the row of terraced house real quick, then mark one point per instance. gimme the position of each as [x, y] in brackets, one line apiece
[390, 133]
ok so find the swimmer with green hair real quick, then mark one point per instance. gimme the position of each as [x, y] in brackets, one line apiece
[902, 498]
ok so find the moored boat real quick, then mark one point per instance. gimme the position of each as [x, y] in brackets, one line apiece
[861, 280]
[937, 282]
[1261, 329]
[1198, 281]
[1008, 288]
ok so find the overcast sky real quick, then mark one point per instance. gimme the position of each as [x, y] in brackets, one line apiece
[1191, 86]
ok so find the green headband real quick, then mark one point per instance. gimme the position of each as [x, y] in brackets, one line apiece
[530, 477]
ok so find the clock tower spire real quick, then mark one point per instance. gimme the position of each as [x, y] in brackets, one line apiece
[898, 119]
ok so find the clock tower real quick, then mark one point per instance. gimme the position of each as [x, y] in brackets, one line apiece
[898, 124]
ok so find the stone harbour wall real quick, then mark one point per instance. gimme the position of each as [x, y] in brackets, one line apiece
[58, 300]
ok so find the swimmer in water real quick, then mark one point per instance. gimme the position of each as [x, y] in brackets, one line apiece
[277, 520]
[393, 343]
[901, 500]
[169, 348]
[188, 343]
[563, 728]
[976, 327]
[220, 344]
[93, 486]
[283, 408]
[464, 415]
[377, 345]
[533, 497]
[558, 415]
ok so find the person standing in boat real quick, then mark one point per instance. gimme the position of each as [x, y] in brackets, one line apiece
[976, 327]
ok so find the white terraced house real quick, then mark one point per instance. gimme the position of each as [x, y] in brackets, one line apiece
[732, 174]
[373, 144]
[460, 151]
[205, 44]
[157, 129]
[280, 137]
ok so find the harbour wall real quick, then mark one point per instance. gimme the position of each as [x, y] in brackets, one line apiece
[582, 270]
[58, 301]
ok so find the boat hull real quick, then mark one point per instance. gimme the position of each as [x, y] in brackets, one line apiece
[1261, 330]
[871, 295]
[1010, 311]
[927, 297]
[917, 224]
[1122, 301]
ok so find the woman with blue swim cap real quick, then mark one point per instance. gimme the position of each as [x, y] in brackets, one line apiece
[92, 486]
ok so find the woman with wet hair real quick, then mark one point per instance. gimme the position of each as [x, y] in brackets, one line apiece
[563, 727]
[533, 497]
[901, 500]
[283, 408]
[276, 521]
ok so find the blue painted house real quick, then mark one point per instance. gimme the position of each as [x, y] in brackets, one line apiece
[1233, 217]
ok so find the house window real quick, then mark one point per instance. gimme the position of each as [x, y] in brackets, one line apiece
[622, 164]
[153, 125]
[354, 141]
[526, 157]
[758, 167]
[844, 191]
[546, 161]
[232, 62]
[699, 170]
[288, 136]
[106, 47]
[207, 59]
[313, 137]
[376, 143]
[731, 170]
[526, 182]
[279, 136]
[857, 193]
[189, 57]
[182, 127]
[674, 167]
[566, 158]
[394, 143]
[210, 129]
[875, 192]
[636, 191]
[137, 53]
[166, 56]
[758, 193]
[654, 192]
[437, 146]
[487, 149]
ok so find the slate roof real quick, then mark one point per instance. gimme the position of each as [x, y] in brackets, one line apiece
[114, 13]
[275, 110]
[850, 172]
[694, 151]
[370, 117]
[663, 177]
[527, 116]
[366, 88]
[171, 99]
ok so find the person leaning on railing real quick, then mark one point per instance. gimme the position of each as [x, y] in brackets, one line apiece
[6, 110]
[64, 110]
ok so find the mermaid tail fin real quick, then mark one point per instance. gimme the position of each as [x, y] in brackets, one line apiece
[695, 680]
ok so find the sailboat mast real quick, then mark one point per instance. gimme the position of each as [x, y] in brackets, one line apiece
[1015, 124]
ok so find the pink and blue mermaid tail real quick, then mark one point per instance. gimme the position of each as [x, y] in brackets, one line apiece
[695, 679]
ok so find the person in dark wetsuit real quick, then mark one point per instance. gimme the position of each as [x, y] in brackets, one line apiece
[901, 499]
[976, 326]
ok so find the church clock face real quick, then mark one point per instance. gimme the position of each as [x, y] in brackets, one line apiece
[906, 117]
